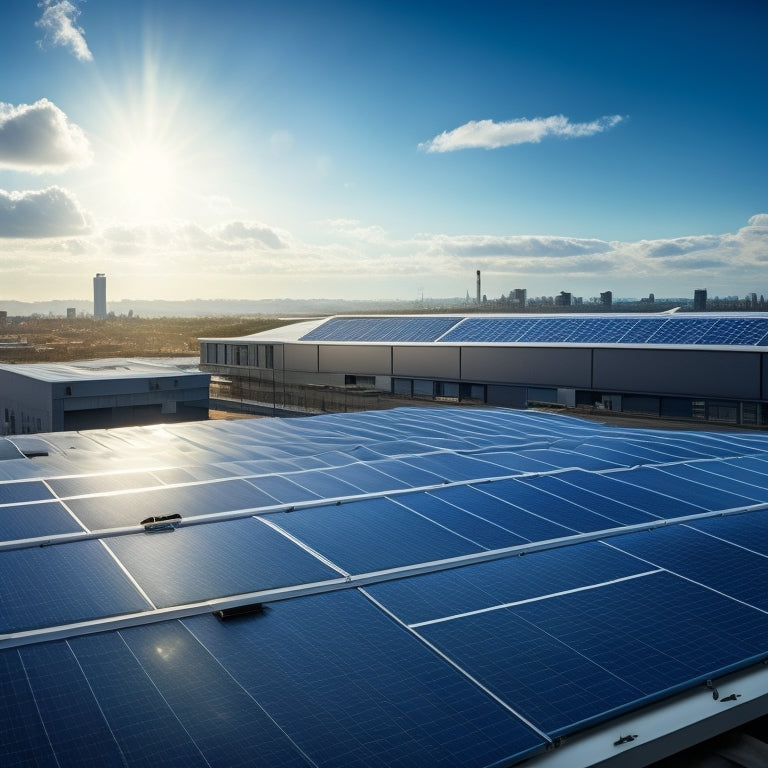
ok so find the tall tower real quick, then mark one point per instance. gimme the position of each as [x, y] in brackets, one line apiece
[100, 295]
[700, 300]
[478, 289]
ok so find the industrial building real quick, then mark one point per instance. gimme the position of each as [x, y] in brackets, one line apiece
[51, 397]
[424, 586]
[701, 366]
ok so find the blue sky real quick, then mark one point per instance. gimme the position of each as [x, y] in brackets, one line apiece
[255, 149]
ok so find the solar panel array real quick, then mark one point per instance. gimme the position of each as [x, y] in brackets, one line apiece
[716, 330]
[402, 329]
[394, 619]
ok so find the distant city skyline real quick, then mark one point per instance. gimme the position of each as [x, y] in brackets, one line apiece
[382, 150]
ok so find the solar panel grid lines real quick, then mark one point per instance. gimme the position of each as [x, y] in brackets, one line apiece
[551, 595]
[375, 329]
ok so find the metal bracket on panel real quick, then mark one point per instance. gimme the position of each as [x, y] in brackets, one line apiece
[239, 610]
[732, 697]
[625, 739]
[161, 523]
[715, 693]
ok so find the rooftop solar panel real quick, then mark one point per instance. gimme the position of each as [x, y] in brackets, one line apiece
[204, 562]
[26, 521]
[420, 586]
[390, 329]
[44, 587]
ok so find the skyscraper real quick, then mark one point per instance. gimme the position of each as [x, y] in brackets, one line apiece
[100, 295]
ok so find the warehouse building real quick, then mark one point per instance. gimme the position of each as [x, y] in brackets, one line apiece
[702, 366]
[91, 394]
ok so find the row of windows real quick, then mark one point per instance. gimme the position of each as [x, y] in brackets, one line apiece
[253, 355]
[443, 390]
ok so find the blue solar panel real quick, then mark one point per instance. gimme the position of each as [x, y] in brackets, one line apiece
[386, 698]
[642, 330]
[227, 725]
[140, 720]
[130, 508]
[489, 502]
[524, 493]
[722, 483]
[62, 698]
[386, 329]
[640, 639]
[609, 330]
[56, 585]
[365, 536]
[555, 687]
[467, 513]
[707, 498]
[118, 481]
[615, 513]
[496, 583]
[494, 330]
[749, 530]
[742, 331]
[24, 521]
[23, 741]
[723, 567]
[564, 630]
[681, 331]
[34, 490]
[207, 561]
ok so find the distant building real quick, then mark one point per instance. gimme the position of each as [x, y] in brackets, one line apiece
[98, 394]
[606, 298]
[3, 317]
[700, 300]
[71, 313]
[563, 300]
[649, 300]
[100, 295]
[519, 297]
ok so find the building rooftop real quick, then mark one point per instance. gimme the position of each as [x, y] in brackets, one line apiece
[709, 329]
[107, 368]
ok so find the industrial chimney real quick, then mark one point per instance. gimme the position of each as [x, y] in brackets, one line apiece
[478, 288]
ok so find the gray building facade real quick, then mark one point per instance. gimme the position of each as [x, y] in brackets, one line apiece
[659, 365]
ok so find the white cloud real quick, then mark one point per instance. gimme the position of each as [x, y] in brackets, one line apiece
[52, 212]
[487, 134]
[241, 259]
[257, 234]
[759, 220]
[58, 22]
[38, 137]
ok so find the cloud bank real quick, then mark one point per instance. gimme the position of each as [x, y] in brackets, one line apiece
[487, 134]
[250, 259]
[38, 138]
[59, 24]
[51, 212]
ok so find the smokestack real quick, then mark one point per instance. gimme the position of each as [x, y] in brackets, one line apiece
[478, 288]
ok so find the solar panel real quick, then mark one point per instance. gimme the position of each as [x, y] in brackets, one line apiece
[389, 329]
[575, 329]
[421, 586]
[47, 586]
[209, 561]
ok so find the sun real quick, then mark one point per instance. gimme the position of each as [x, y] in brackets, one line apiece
[146, 177]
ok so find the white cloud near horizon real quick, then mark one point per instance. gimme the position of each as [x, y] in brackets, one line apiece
[487, 134]
[39, 137]
[239, 258]
[52, 212]
[59, 23]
